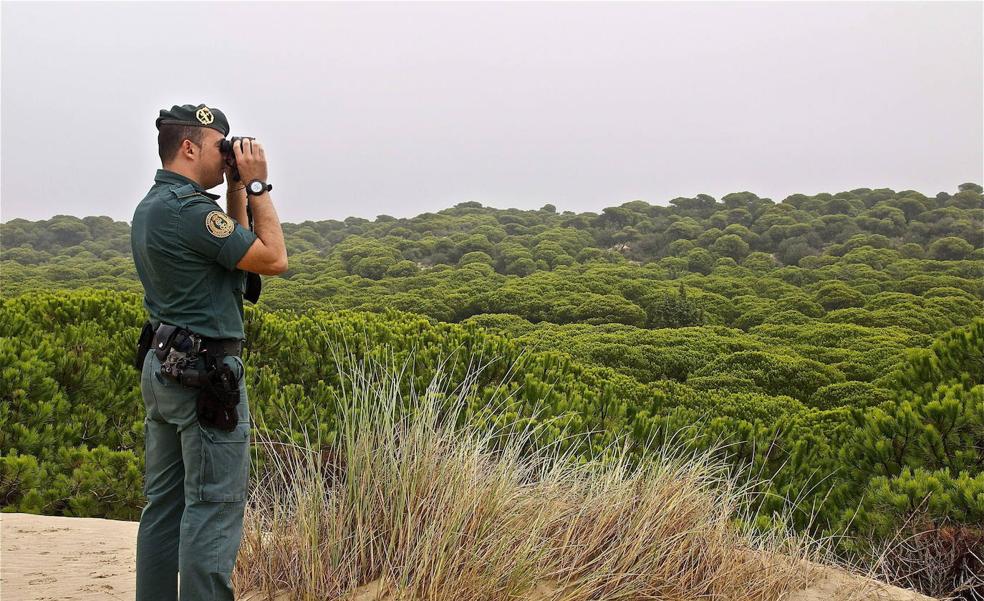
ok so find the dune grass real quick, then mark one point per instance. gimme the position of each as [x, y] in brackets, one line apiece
[430, 508]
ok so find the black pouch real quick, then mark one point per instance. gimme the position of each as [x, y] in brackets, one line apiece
[143, 345]
[218, 397]
[164, 338]
[253, 286]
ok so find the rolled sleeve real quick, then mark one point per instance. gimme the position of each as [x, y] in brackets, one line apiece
[210, 232]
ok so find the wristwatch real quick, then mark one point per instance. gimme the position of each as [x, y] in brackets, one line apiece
[257, 187]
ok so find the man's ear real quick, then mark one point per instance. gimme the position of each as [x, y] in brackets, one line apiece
[188, 149]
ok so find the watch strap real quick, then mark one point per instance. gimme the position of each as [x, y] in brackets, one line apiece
[266, 187]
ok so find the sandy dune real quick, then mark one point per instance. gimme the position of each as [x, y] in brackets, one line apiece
[46, 558]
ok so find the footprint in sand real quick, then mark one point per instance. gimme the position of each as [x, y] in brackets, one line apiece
[93, 588]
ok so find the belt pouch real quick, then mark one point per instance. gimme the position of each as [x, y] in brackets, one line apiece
[143, 345]
[163, 339]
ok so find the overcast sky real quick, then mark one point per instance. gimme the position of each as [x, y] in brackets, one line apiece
[400, 109]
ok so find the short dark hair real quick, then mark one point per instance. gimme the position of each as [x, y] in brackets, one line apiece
[170, 136]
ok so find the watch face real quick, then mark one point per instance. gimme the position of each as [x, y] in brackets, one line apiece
[256, 187]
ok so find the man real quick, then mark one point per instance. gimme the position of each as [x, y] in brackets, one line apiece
[192, 258]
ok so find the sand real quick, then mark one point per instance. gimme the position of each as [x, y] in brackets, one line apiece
[60, 559]
[48, 558]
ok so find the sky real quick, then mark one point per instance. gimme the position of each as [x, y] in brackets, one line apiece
[401, 109]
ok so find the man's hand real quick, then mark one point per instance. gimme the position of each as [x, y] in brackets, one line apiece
[250, 159]
[232, 184]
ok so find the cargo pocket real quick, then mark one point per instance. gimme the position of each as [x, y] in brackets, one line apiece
[225, 464]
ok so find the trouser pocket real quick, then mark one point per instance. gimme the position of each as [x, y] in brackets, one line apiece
[225, 463]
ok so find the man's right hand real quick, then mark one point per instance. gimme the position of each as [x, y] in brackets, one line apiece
[250, 160]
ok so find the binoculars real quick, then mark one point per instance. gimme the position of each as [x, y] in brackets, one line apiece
[225, 147]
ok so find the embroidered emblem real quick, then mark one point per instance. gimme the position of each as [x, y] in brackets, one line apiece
[219, 224]
[204, 116]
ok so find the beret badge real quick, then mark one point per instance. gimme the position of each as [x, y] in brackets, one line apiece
[204, 116]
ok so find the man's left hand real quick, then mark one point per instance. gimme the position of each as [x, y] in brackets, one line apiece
[230, 183]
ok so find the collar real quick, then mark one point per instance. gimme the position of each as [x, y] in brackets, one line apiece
[169, 177]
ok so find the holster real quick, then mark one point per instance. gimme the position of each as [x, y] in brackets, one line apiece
[218, 396]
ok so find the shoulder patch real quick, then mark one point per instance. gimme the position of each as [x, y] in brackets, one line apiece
[219, 224]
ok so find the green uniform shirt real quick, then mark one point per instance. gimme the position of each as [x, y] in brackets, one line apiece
[186, 248]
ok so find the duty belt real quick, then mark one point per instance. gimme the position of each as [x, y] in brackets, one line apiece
[179, 351]
[219, 347]
[214, 347]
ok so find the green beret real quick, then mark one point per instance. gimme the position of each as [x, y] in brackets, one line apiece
[198, 116]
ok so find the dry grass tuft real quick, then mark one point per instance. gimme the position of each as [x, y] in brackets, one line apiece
[408, 504]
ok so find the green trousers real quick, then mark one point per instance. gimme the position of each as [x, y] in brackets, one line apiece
[195, 484]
